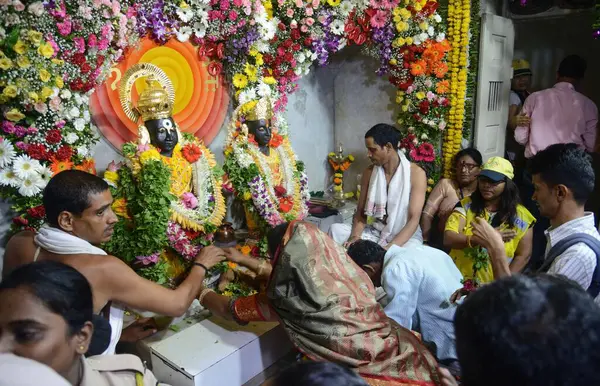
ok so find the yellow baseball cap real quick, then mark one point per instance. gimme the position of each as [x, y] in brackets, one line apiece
[521, 67]
[497, 169]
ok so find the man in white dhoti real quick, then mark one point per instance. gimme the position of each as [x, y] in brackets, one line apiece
[79, 216]
[393, 198]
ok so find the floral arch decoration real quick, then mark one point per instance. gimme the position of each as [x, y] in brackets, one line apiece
[54, 53]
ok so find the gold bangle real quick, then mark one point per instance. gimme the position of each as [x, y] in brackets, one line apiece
[203, 294]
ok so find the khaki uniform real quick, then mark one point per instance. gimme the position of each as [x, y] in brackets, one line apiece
[116, 370]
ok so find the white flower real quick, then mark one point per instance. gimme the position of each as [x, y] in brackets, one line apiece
[31, 185]
[45, 174]
[430, 31]
[337, 27]
[261, 46]
[86, 115]
[263, 89]
[261, 18]
[301, 57]
[185, 14]
[424, 137]
[345, 7]
[71, 138]
[247, 95]
[65, 94]
[183, 35]
[25, 167]
[437, 18]
[79, 124]
[244, 159]
[423, 36]
[36, 9]
[2, 33]
[11, 19]
[8, 177]
[73, 113]
[267, 30]
[440, 37]
[83, 151]
[200, 29]
[7, 153]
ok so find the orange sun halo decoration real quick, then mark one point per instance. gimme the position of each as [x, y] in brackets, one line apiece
[201, 100]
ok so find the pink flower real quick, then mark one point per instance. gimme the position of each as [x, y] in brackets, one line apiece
[379, 19]
[79, 44]
[41, 107]
[289, 12]
[142, 148]
[113, 167]
[389, 4]
[131, 12]
[224, 5]
[116, 7]
[233, 15]
[237, 3]
[103, 44]
[20, 131]
[32, 130]
[294, 24]
[309, 11]
[299, 3]
[92, 41]
[430, 95]
[54, 46]
[65, 27]
[376, 3]
[147, 260]
[410, 89]
[8, 127]
[309, 21]
[21, 145]
[19, 7]
[60, 124]
[442, 125]
[315, 3]
[322, 19]
[189, 200]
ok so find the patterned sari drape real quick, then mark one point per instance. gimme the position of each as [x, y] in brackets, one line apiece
[327, 305]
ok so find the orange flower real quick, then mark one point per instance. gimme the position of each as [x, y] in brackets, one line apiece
[418, 68]
[337, 181]
[440, 70]
[276, 140]
[444, 45]
[58, 166]
[119, 206]
[334, 165]
[285, 204]
[246, 249]
[231, 265]
[442, 87]
[88, 165]
[191, 152]
[432, 55]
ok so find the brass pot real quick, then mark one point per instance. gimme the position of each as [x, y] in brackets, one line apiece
[225, 233]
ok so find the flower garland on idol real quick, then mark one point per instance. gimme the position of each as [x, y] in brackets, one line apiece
[252, 178]
[153, 222]
[54, 53]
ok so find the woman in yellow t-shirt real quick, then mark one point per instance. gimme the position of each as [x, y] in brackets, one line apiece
[497, 201]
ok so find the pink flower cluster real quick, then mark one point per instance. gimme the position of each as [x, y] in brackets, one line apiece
[179, 241]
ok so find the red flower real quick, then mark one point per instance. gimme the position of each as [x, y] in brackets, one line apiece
[288, 56]
[281, 26]
[280, 51]
[307, 42]
[20, 221]
[285, 204]
[288, 43]
[37, 151]
[78, 59]
[191, 152]
[255, 251]
[53, 136]
[85, 68]
[220, 50]
[295, 34]
[191, 234]
[424, 107]
[64, 153]
[252, 140]
[215, 68]
[280, 191]
[276, 140]
[296, 47]
[37, 211]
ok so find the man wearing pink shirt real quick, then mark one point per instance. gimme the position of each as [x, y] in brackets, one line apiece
[558, 115]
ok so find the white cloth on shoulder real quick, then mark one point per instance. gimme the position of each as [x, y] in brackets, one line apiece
[60, 242]
[392, 200]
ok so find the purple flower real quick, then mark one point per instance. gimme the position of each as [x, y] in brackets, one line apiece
[8, 127]
[147, 260]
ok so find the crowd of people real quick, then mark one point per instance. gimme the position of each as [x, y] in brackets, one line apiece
[468, 301]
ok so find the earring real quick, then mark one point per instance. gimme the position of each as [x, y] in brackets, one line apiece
[143, 135]
[82, 348]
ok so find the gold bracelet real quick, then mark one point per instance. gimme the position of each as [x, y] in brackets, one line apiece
[203, 294]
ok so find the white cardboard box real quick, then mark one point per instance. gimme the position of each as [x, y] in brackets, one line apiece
[215, 352]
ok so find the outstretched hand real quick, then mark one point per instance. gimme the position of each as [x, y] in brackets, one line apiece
[487, 234]
[523, 120]
[210, 255]
[138, 330]
[233, 255]
[350, 241]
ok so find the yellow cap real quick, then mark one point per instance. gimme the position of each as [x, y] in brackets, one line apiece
[521, 67]
[497, 169]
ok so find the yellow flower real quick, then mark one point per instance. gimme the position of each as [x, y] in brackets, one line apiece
[247, 196]
[429, 189]
[46, 50]
[405, 13]
[251, 71]
[149, 155]
[44, 75]
[268, 8]
[111, 177]
[397, 18]
[424, 26]
[334, 3]
[339, 175]
[58, 81]
[119, 206]
[409, 41]
[20, 47]
[5, 63]
[183, 4]
[400, 42]
[269, 80]
[337, 188]
[399, 99]
[23, 61]
[228, 150]
[33, 96]
[420, 95]
[253, 52]
[405, 108]
[35, 37]
[430, 181]
[258, 59]
[393, 62]
[14, 115]
[351, 157]
[10, 91]
[240, 80]
[58, 62]
[46, 92]
[332, 154]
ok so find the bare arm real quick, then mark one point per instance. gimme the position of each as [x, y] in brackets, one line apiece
[418, 189]
[20, 249]
[522, 131]
[431, 208]
[221, 306]
[492, 240]
[458, 240]
[523, 253]
[513, 111]
[261, 267]
[124, 286]
[360, 220]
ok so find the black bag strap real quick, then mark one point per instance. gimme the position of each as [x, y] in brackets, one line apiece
[566, 243]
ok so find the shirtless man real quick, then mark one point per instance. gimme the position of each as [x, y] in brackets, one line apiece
[79, 204]
[394, 195]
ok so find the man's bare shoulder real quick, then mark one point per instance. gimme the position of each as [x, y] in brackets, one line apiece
[416, 170]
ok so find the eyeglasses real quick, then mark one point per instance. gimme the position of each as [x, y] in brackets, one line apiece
[466, 166]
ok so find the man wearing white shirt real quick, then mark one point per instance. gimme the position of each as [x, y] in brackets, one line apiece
[418, 281]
